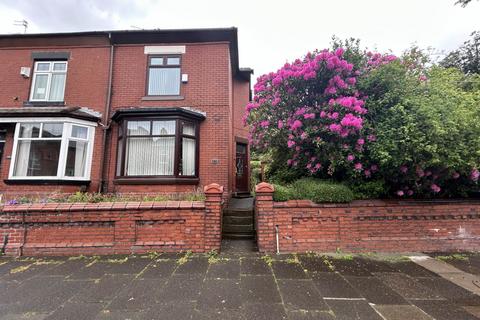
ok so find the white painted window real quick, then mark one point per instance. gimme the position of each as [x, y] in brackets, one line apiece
[52, 150]
[49, 81]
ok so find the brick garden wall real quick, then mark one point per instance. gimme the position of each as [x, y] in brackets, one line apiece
[113, 228]
[381, 226]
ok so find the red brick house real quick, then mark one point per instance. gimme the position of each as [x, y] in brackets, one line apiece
[123, 111]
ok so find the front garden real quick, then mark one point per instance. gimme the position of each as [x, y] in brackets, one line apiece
[346, 123]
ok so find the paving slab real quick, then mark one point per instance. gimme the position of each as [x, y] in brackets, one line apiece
[254, 266]
[122, 315]
[407, 287]
[66, 268]
[300, 295]
[93, 270]
[8, 265]
[259, 289]
[139, 295]
[475, 310]
[374, 266]
[174, 311]
[159, 269]
[24, 316]
[333, 285]
[412, 269]
[130, 266]
[181, 287]
[264, 311]
[228, 269]
[349, 310]
[105, 289]
[314, 263]
[401, 312]
[220, 294]
[442, 310]
[470, 264]
[310, 315]
[288, 270]
[451, 291]
[25, 271]
[77, 311]
[349, 267]
[375, 291]
[195, 265]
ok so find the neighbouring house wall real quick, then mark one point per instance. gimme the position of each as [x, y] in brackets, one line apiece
[208, 90]
[113, 228]
[362, 226]
[86, 86]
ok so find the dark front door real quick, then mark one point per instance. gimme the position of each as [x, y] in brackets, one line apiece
[241, 164]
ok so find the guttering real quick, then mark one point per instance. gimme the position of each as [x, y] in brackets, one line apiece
[106, 117]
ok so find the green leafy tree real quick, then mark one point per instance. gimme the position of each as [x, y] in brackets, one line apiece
[467, 57]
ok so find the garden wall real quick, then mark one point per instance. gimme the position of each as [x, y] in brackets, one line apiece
[382, 226]
[113, 228]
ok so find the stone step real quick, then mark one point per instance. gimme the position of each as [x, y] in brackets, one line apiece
[240, 220]
[238, 212]
[244, 236]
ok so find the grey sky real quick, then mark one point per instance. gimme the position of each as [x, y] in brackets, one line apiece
[270, 32]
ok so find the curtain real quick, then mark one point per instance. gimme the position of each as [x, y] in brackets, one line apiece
[40, 89]
[188, 157]
[57, 87]
[164, 81]
[76, 159]
[22, 158]
[150, 156]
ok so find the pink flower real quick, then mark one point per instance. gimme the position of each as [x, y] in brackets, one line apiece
[358, 166]
[335, 127]
[371, 138]
[456, 175]
[374, 167]
[309, 116]
[318, 166]
[265, 123]
[435, 188]
[296, 124]
[350, 157]
[403, 169]
[474, 175]
[289, 162]
[400, 193]
[360, 142]
[410, 192]
[280, 124]
[339, 52]
[368, 173]
[290, 143]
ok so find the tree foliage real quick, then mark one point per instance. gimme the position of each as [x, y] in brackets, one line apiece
[467, 57]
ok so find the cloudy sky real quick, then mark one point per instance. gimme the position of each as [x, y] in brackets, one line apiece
[270, 32]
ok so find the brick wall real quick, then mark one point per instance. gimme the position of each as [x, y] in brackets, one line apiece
[383, 226]
[110, 228]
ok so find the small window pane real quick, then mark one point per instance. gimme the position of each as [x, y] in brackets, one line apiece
[79, 132]
[40, 89]
[59, 66]
[188, 157]
[43, 66]
[138, 128]
[3, 134]
[173, 61]
[164, 81]
[152, 156]
[37, 158]
[163, 127]
[57, 87]
[29, 130]
[119, 157]
[189, 129]
[52, 130]
[156, 61]
[76, 159]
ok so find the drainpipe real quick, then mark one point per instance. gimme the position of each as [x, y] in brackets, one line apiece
[276, 238]
[105, 121]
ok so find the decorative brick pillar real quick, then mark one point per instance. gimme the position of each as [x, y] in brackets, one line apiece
[264, 217]
[213, 216]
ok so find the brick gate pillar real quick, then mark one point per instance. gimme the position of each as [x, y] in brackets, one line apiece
[213, 216]
[264, 217]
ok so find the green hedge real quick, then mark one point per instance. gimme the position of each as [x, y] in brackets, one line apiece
[313, 189]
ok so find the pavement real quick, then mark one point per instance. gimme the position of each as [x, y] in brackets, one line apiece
[237, 284]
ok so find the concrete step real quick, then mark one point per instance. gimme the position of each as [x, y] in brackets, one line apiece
[240, 220]
[238, 228]
[238, 212]
[244, 236]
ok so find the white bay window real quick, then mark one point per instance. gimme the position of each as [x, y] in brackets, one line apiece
[52, 150]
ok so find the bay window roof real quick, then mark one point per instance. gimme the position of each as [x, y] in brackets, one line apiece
[186, 112]
[12, 115]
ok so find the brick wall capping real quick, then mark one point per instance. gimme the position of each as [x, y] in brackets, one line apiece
[102, 206]
[264, 187]
[213, 188]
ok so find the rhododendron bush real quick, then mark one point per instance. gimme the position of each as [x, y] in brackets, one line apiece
[357, 116]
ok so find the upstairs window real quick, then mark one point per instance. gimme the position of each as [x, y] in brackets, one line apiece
[163, 78]
[49, 81]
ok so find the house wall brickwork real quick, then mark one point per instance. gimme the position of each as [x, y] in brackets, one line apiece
[365, 226]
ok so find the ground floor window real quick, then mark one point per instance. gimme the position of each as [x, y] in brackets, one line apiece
[3, 134]
[52, 150]
[158, 147]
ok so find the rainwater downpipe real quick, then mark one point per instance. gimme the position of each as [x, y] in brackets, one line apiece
[106, 122]
[277, 239]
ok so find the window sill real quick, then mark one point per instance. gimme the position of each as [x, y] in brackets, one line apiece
[43, 103]
[139, 181]
[162, 98]
[47, 182]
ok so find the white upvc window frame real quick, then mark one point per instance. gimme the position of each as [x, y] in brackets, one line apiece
[65, 139]
[50, 72]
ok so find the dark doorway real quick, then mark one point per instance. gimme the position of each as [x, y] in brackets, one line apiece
[241, 166]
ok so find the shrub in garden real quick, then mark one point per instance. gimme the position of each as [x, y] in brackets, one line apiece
[313, 189]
